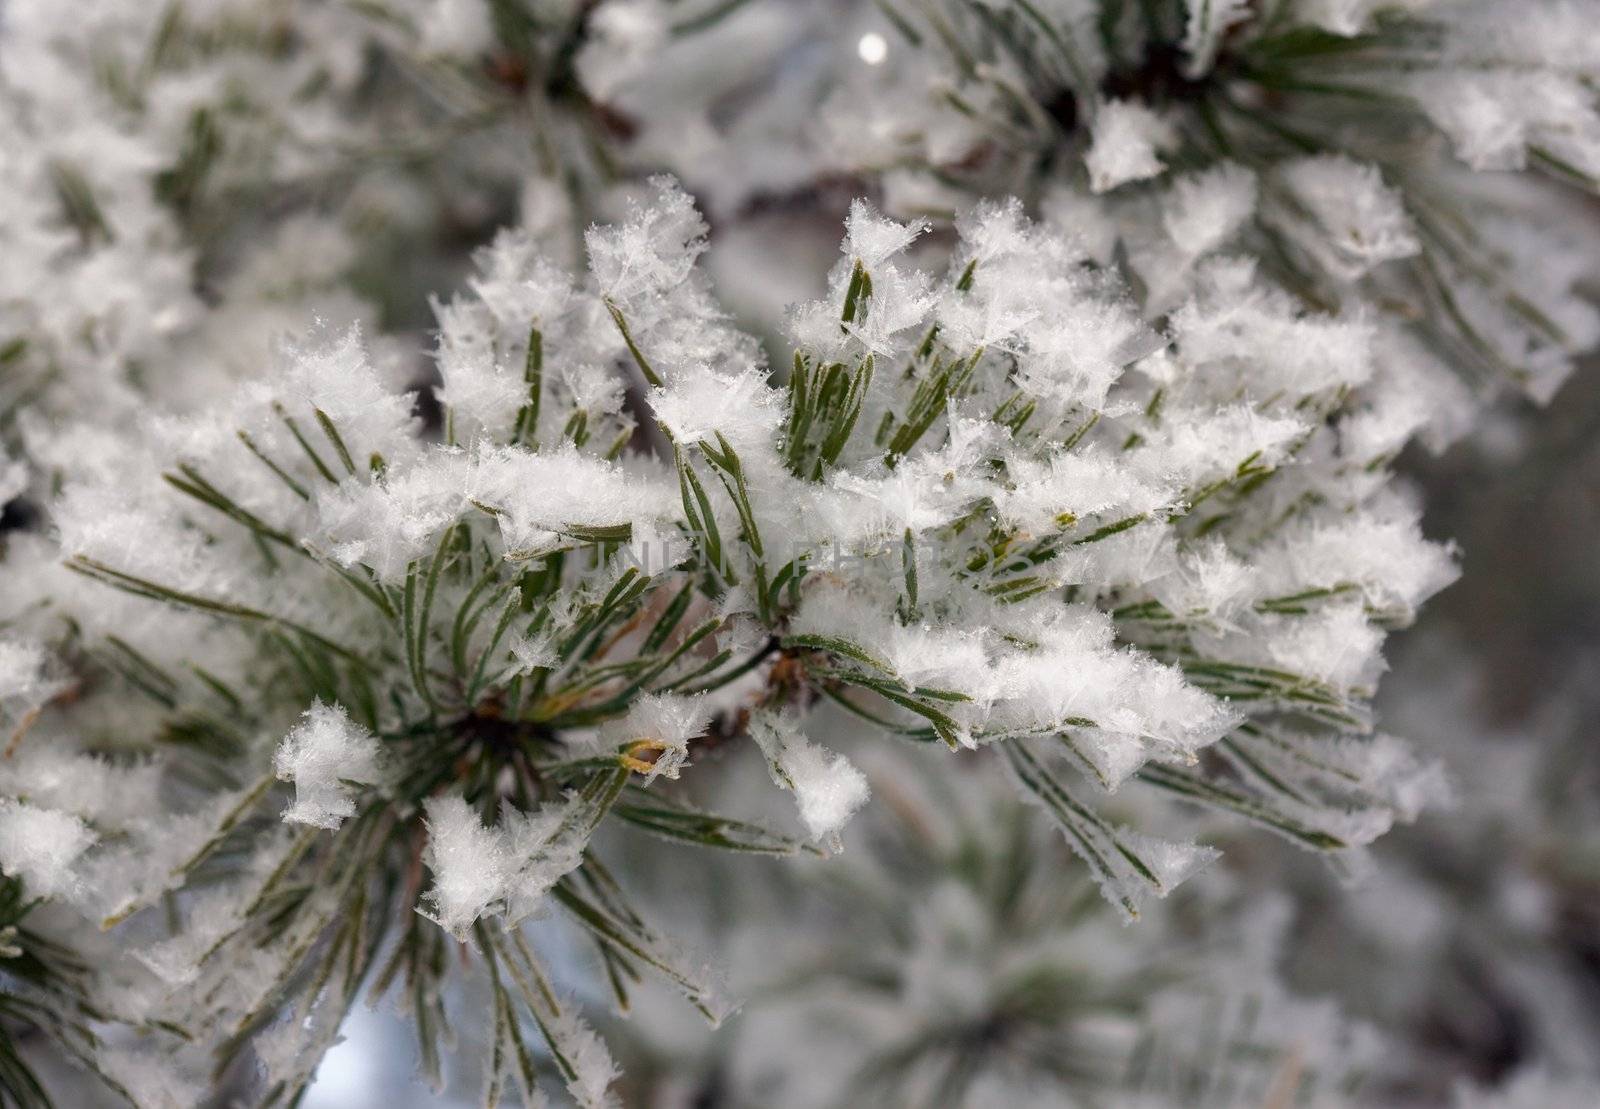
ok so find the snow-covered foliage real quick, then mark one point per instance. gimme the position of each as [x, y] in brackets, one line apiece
[1354, 124]
[1004, 985]
[186, 181]
[1471, 944]
[992, 507]
[328, 664]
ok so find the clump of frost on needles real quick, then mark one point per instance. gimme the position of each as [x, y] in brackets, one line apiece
[989, 507]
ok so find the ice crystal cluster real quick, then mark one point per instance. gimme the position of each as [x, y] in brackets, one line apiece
[332, 658]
